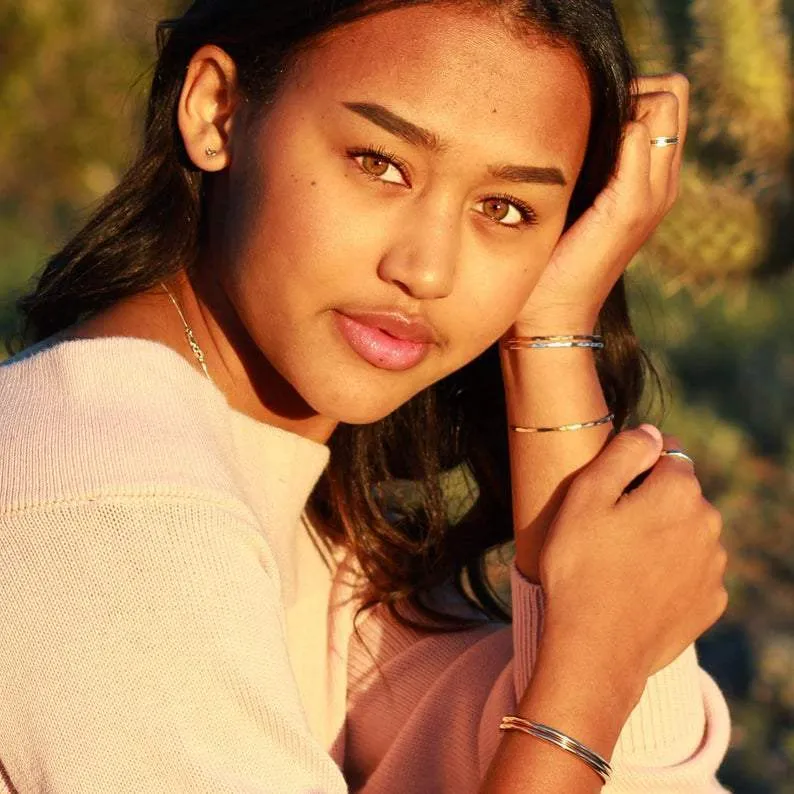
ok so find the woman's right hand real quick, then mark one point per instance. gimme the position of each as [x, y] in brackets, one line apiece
[634, 577]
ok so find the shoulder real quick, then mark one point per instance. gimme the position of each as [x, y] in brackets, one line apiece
[163, 622]
[86, 418]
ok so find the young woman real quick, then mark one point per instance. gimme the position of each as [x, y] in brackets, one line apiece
[370, 255]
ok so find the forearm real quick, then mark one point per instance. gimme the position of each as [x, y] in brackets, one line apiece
[546, 388]
[569, 692]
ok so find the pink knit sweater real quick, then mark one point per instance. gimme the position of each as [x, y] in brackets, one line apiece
[168, 625]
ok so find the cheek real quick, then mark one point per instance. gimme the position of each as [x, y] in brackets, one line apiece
[500, 292]
[488, 303]
[304, 215]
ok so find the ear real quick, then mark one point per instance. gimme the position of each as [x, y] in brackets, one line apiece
[207, 108]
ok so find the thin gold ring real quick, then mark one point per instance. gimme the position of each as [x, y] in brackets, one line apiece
[678, 453]
[663, 141]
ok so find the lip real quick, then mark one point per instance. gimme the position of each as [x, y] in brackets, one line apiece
[400, 326]
[387, 341]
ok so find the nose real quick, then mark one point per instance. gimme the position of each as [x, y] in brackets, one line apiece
[424, 250]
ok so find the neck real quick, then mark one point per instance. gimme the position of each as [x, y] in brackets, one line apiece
[238, 367]
[235, 364]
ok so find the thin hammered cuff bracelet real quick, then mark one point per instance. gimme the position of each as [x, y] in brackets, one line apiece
[598, 764]
[565, 428]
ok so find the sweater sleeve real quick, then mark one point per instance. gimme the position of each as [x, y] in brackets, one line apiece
[424, 710]
[142, 649]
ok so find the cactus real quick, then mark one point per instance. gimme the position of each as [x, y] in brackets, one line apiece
[741, 66]
[736, 181]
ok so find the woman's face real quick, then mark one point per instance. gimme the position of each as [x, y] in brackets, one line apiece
[419, 165]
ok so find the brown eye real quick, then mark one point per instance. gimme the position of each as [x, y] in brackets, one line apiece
[380, 166]
[506, 211]
[375, 165]
[496, 209]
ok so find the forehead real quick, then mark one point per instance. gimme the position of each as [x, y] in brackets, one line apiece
[467, 76]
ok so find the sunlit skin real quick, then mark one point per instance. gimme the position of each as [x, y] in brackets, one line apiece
[310, 223]
[316, 208]
[477, 134]
[422, 161]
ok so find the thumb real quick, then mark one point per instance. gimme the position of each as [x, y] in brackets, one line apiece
[626, 457]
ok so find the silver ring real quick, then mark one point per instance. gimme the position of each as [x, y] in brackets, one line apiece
[664, 141]
[678, 453]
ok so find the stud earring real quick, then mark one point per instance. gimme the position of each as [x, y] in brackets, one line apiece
[210, 152]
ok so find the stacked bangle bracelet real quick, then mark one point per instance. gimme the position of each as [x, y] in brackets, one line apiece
[591, 341]
[543, 732]
[553, 342]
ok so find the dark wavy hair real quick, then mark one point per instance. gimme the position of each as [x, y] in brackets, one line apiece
[405, 547]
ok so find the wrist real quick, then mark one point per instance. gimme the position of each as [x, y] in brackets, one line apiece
[605, 665]
[565, 379]
[585, 693]
[554, 325]
[571, 706]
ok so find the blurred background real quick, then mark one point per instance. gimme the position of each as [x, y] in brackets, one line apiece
[713, 292]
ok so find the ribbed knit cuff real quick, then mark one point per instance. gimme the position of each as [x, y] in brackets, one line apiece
[668, 723]
[676, 757]
[528, 606]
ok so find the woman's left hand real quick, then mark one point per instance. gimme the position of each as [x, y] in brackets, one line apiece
[592, 255]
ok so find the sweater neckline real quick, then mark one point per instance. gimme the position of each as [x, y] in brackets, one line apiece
[148, 352]
[198, 439]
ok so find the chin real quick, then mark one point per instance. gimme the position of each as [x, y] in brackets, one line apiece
[355, 403]
[355, 412]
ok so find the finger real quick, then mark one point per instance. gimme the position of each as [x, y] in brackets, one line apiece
[672, 83]
[678, 467]
[668, 443]
[672, 445]
[677, 84]
[624, 202]
[672, 442]
[659, 113]
[625, 457]
[676, 476]
[630, 185]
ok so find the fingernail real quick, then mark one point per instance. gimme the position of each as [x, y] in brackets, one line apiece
[652, 431]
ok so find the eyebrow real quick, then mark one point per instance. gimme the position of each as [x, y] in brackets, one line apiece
[419, 136]
[391, 122]
[528, 173]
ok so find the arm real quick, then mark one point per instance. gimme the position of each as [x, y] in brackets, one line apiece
[672, 740]
[548, 388]
[554, 387]
[423, 712]
[589, 680]
[142, 650]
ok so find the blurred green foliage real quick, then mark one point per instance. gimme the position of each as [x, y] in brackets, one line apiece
[712, 292]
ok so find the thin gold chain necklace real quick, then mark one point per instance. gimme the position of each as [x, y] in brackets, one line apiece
[199, 354]
[191, 338]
